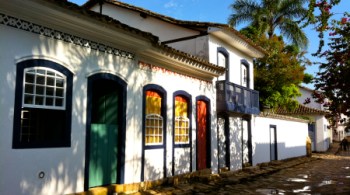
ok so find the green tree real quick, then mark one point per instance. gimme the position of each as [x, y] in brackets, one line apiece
[333, 79]
[278, 75]
[267, 16]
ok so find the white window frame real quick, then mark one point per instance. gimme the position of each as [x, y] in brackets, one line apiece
[186, 120]
[159, 129]
[56, 75]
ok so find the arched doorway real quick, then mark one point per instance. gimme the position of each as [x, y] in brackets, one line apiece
[105, 137]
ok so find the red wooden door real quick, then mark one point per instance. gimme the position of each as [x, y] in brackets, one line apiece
[202, 129]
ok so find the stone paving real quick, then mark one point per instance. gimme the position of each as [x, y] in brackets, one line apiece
[321, 174]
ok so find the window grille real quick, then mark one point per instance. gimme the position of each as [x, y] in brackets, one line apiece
[182, 126]
[44, 88]
[154, 129]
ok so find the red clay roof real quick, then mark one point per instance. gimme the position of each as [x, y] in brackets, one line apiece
[184, 23]
[301, 110]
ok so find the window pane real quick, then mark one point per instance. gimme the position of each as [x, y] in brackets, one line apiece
[29, 89]
[59, 92]
[41, 71]
[39, 100]
[49, 91]
[221, 60]
[49, 101]
[40, 90]
[59, 82]
[28, 99]
[50, 81]
[40, 80]
[50, 73]
[59, 102]
[29, 78]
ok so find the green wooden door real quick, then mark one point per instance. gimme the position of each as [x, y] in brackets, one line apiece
[104, 135]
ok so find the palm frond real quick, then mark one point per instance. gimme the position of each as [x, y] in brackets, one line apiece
[291, 31]
[243, 11]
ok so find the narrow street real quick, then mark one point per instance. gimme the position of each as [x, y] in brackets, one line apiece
[329, 175]
[324, 173]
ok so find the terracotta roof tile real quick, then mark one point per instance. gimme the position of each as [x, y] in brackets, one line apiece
[301, 110]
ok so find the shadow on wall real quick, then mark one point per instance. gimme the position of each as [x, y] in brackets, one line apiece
[62, 169]
[262, 152]
[182, 160]
[235, 143]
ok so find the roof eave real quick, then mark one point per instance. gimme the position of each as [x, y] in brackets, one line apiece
[238, 41]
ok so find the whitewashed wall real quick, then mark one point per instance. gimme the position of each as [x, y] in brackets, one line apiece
[306, 93]
[235, 57]
[291, 138]
[235, 143]
[322, 135]
[64, 167]
[164, 30]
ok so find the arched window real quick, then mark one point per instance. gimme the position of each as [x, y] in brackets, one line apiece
[245, 79]
[154, 116]
[153, 132]
[43, 104]
[182, 118]
[223, 61]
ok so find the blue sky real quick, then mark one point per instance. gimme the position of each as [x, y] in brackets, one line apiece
[218, 11]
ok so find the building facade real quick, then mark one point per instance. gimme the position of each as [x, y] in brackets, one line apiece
[88, 101]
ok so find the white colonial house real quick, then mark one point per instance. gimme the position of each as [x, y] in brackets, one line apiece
[319, 131]
[237, 101]
[108, 93]
[242, 136]
[89, 101]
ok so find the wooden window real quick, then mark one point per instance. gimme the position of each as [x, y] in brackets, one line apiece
[182, 122]
[153, 119]
[44, 88]
[42, 105]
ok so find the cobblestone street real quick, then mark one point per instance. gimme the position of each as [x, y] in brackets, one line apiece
[321, 174]
[328, 175]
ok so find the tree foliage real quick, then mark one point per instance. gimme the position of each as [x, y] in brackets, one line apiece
[267, 16]
[333, 80]
[320, 20]
[278, 75]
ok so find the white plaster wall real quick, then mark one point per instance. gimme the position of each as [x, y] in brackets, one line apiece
[64, 167]
[164, 30]
[172, 83]
[197, 47]
[308, 94]
[235, 143]
[182, 160]
[221, 143]
[154, 164]
[235, 57]
[291, 138]
[322, 135]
